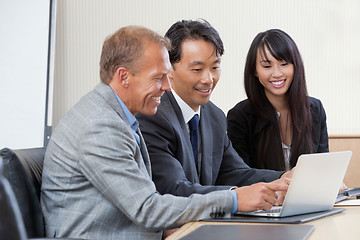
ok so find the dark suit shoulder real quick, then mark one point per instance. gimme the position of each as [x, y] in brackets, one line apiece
[316, 107]
[242, 111]
[315, 103]
[242, 107]
[214, 110]
[214, 117]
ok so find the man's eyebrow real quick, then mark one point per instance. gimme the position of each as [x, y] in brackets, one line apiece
[195, 63]
[218, 60]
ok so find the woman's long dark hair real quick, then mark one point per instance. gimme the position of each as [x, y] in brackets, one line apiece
[269, 153]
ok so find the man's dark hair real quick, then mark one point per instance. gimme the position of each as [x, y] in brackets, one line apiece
[196, 30]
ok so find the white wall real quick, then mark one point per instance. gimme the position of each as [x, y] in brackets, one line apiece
[24, 36]
[327, 33]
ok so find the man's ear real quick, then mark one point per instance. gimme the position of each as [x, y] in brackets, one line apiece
[123, 75]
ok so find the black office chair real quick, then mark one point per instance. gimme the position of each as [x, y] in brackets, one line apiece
[11, 224]
[23, 170]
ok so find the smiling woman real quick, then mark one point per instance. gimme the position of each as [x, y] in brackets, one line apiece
[275, 76]
[278, 122]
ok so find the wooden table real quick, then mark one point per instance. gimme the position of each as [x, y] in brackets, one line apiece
[345, 225]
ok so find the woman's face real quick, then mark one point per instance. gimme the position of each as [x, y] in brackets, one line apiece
[276, 76]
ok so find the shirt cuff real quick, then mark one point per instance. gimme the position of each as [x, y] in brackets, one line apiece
[235, 201]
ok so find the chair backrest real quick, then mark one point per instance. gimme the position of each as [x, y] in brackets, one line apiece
[23, 170]
[11, 224]
[32, 159]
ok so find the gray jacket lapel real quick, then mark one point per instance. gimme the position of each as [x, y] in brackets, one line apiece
[144, 152]
[108, 94]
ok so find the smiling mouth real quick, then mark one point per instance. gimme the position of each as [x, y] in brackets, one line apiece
[204, 90]
[277, 83]
[156, 99]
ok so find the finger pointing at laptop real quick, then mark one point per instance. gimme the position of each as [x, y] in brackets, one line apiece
[261, 196]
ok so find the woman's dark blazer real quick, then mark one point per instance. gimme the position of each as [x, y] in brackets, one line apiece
[244, 129]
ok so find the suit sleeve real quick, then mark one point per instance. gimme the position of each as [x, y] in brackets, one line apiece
[324, 139]
[167, 158]
[112, 162]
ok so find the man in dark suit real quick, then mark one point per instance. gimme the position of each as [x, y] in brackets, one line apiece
[179, 168]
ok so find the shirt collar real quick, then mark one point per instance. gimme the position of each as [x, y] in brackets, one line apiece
[134, 124]
[186, 110]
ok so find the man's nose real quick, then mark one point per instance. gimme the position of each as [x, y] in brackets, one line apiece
[165, 85]
[208, 77]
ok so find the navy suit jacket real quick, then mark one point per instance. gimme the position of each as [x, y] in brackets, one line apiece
[172, 160]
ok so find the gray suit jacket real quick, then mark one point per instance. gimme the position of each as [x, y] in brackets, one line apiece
[169, 147]
[97, 184]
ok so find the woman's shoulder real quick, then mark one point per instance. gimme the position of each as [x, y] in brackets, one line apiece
[315, 103]
[316, 107]
[242, 110]
[242, 106]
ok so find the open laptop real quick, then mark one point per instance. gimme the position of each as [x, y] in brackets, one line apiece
[314, 185]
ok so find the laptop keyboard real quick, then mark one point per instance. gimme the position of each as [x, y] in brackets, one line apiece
[276, 209]
[273, 210]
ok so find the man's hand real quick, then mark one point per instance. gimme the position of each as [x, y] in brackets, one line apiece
[260, 196]
[285, 178]
[288, 174]
[281, 194]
